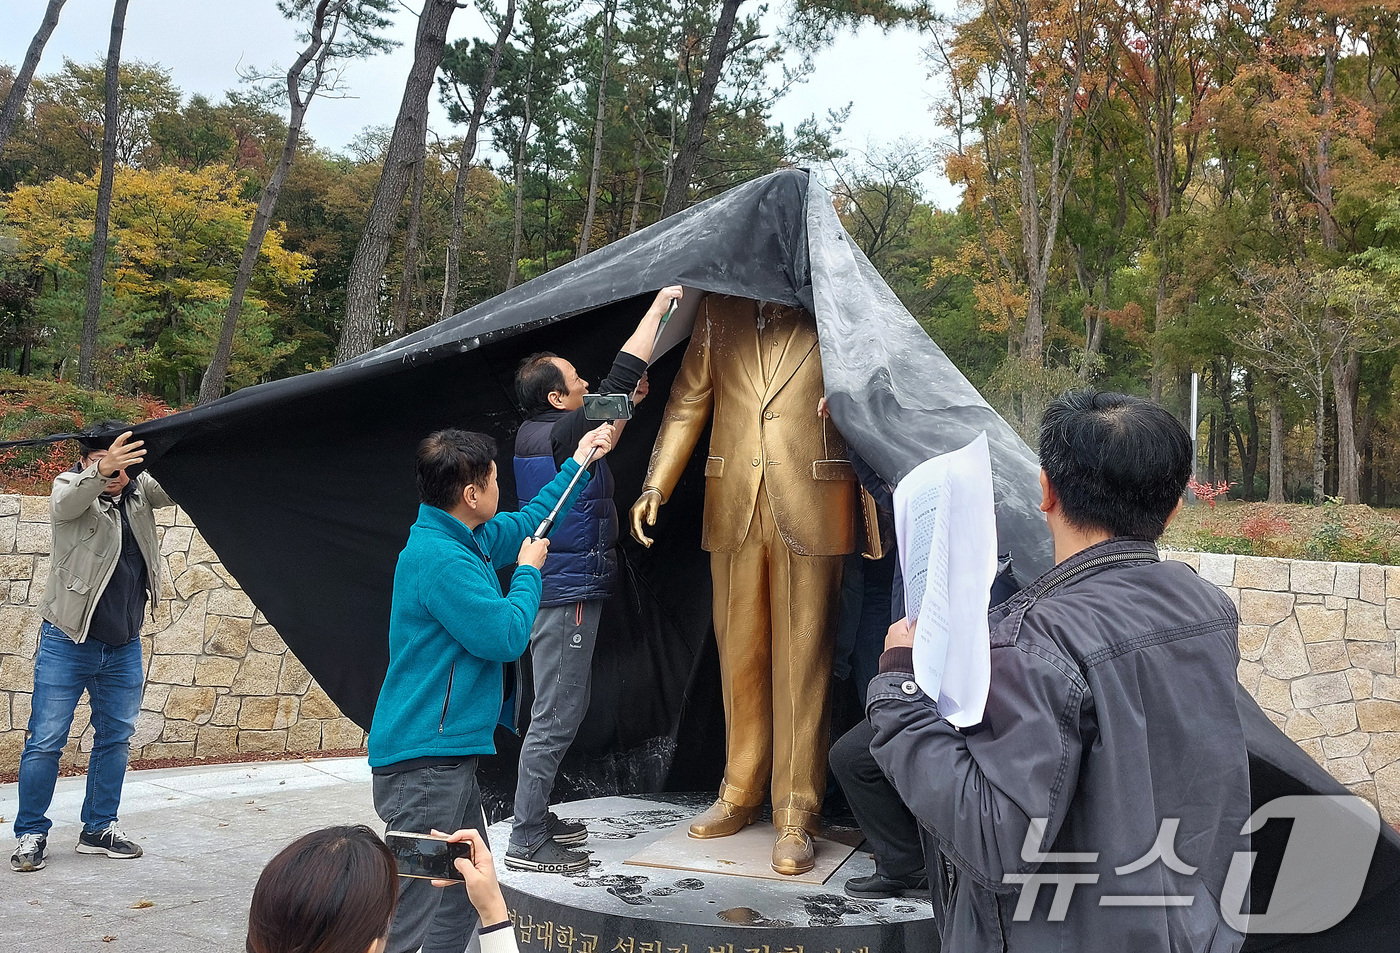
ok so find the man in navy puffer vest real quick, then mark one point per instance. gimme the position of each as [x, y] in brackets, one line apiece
[580, 575]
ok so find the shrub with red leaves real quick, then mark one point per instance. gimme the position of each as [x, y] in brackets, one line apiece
[1209, 492]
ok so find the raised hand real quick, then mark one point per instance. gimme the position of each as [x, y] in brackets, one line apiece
[664, 297]
[600, 437]
[121, 455]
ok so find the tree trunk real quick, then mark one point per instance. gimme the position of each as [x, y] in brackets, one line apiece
[1345, 380]
[1319, 448]
[669, 164]
[678, 188]
[585, 237]
[1159, 364]
[14, 102]
[1276, 446]
[403, 302]
[1367, 445]
[1094, 343]
[362, 292]
[317, 49]
[637, 195]
[1327, 223]
[1033, 335]
[1222, 370]
[92, 313]
[1248, 445]
[519, 236]
[451, 265]
[546, 233]
[1211, 444]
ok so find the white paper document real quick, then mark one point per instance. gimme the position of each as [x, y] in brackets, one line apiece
[945, 521]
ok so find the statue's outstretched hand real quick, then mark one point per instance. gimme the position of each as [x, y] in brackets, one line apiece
[645, 510]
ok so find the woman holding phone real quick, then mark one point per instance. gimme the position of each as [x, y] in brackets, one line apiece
[334, 891]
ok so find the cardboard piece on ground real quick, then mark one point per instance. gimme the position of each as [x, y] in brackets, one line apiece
[748, 853]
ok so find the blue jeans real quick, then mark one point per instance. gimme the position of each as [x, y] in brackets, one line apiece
[113, 679]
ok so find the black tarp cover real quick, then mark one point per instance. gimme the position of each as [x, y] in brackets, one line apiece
[304, 487]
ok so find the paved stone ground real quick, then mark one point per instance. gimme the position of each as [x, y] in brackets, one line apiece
[206, 832]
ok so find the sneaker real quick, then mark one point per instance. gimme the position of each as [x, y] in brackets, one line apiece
[110, 841]
[877, 887]
[29, 855]
[564, 832]
[548, 858]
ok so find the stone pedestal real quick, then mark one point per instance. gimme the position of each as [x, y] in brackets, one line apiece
[621, 906]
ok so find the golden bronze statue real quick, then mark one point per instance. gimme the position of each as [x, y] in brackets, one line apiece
[780, 513]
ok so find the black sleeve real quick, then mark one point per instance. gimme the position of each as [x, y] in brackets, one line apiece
[874, 484]
[626, 373]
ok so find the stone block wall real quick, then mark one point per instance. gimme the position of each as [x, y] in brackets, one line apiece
[219, 679]
[1318, 648]
[1318, 652]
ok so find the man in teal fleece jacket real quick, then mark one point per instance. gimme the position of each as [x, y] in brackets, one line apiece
[450, 629]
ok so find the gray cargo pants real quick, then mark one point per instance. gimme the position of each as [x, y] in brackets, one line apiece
[561, 652]
[445, 798]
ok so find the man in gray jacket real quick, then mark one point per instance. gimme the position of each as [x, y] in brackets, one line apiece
[1099, 803]
[105, 565]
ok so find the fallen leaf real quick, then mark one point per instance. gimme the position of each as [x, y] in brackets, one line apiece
[142, 904]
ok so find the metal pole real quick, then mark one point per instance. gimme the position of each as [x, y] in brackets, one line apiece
[548, 523]
[1195, 429]
[1195, 423]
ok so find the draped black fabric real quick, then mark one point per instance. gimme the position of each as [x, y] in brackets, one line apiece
[305, 486]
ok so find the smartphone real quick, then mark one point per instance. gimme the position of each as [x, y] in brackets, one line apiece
[427, 856]
[607, 406]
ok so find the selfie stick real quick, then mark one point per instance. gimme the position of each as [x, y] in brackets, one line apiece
[548, 524]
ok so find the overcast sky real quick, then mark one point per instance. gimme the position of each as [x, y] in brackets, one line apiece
[203, 43]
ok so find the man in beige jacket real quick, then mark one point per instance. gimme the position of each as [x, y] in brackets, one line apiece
[105, 566]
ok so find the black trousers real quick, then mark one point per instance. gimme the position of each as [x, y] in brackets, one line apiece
[886, 822]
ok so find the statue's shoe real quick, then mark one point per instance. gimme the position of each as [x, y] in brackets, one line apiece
[721, 819]
[793, 852]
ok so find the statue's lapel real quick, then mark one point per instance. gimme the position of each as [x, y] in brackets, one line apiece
[742, 337]
[799, 344]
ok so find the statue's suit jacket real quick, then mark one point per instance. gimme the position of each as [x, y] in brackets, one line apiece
[766, 434]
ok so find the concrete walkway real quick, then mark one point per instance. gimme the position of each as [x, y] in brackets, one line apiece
[206, 832]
